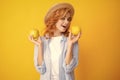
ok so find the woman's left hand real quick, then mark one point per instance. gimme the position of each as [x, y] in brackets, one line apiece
[73, 38]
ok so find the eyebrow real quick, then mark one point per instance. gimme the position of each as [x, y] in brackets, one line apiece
[69, 18]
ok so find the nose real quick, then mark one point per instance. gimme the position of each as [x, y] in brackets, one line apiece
[66, 21]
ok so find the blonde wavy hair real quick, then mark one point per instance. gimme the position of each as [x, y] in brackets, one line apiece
[52, 20]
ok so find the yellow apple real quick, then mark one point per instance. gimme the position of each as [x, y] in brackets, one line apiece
[34, 33]
[75, 30]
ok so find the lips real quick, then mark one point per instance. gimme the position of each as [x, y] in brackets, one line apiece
[63, 26]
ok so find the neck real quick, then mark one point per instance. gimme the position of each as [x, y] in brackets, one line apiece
[56, 33]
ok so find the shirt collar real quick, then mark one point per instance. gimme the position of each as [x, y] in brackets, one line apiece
[63, 38]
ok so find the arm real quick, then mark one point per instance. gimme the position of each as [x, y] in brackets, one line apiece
[71, 41]
[69, 54]
[38, 55]
[71, 58]
[38, 59]
[72, 61]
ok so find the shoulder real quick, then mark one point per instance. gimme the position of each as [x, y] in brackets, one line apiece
[43, 38]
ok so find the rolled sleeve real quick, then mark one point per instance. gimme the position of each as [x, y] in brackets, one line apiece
[74, 62]
[42, 68]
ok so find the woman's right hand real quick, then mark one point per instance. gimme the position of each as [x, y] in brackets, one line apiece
[37, 42]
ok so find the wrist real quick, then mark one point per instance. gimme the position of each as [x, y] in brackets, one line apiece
[70, 46]
[39, 44]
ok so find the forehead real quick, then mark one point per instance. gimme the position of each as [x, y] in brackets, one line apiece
[68, 15]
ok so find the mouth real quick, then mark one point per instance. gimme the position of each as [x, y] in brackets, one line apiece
[63, 26]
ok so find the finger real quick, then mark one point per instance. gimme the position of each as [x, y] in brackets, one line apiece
[30, 37]
[39, 39]
[35, 41]
[80, 31]
[78, 36]
[70, 34]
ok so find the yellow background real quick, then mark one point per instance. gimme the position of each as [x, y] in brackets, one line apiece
[99, 43]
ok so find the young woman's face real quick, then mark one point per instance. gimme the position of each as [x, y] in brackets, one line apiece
[63, 23]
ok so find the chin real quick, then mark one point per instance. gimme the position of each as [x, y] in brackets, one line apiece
[63, 31]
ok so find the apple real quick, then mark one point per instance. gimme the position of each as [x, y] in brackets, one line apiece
[34, 33]
[75, 30]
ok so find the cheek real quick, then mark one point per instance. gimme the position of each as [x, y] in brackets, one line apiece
[60, 21]
[68, 25]
[57, 25]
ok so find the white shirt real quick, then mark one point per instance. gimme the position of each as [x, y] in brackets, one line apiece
[55, 49]
[66, 72]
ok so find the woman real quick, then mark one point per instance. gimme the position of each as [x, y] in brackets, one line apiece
[56, 53]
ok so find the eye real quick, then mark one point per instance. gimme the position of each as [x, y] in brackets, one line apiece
[63, 18]
[69, 19]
